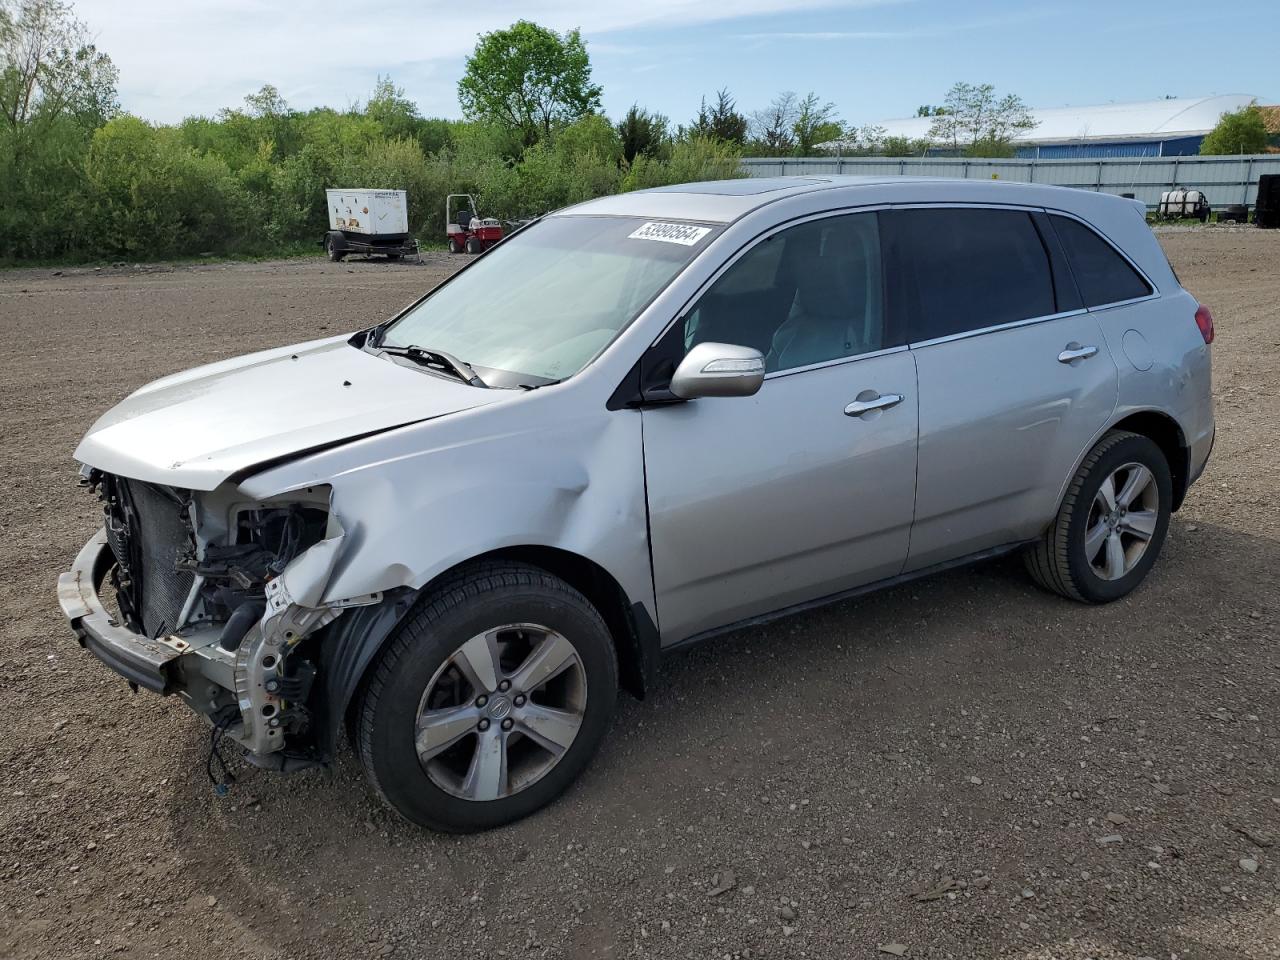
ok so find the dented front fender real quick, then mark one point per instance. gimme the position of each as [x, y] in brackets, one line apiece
[417, 501]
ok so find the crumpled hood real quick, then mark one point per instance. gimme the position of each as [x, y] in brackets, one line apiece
[196, 429]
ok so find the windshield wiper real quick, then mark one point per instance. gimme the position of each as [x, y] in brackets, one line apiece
[437, 358]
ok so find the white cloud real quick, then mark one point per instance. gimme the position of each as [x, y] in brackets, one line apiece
[829, 35]
[195, 56]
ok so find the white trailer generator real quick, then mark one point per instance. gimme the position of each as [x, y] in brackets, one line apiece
[1183, 204]
[368, 222]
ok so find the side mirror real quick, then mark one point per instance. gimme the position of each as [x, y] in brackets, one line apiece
[718, 370]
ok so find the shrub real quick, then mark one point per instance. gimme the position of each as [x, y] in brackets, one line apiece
[151, 195]
[243, 183]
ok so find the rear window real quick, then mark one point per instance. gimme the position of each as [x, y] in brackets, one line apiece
[968, 268]
[1101, 273]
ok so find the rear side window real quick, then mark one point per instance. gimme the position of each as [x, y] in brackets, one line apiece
[1102, 275]
[962, 269]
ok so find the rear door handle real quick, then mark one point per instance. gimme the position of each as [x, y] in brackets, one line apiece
[1076, 352]
[882, 402]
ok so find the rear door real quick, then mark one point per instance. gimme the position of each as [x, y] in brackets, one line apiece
[1015, 378]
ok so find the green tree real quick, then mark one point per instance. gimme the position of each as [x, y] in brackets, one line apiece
[395, 113]
[50, 71]
[720, 121]
[55, 88]
[903, 147]
[976, 122]
[1238, 131]
[815, 123]
[592, 134]
[266, 103]
[691, 159]
[528, 79]
[149, 194]
[642, 132]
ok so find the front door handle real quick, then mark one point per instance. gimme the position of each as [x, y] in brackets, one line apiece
[882, 402]
[1076, 352]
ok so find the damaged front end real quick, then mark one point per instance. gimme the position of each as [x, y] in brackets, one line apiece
[219, 599]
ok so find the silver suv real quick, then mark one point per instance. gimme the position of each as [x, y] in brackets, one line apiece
[635, 424]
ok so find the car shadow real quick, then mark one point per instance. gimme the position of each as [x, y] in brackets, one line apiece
[967, 724]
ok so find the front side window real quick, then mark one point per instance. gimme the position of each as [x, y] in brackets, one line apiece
[804, 295]
[1102, 275]
[966, 268]
[543, 304]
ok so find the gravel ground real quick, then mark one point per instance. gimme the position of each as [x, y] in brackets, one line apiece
[962, 767]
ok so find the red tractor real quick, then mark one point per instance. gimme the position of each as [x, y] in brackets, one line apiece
[464, 227]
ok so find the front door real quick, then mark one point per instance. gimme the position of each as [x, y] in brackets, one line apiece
[805, 489]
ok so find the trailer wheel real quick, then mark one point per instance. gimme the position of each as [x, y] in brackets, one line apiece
[333, 248]
[474, 245]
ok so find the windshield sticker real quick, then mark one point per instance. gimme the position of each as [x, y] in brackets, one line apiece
[680, 233]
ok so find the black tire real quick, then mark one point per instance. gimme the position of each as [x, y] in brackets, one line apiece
[393, 256]
[478, 598]
[333, 248]
[1058, 562]
[455, 246]
[474, 245]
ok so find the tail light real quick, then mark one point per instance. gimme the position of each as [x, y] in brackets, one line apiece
[1204, 320]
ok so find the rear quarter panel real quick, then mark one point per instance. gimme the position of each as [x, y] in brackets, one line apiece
[1164, 363]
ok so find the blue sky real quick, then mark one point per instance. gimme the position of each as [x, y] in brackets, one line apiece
[876, 59]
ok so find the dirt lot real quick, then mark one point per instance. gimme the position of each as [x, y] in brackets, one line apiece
[1053, 780]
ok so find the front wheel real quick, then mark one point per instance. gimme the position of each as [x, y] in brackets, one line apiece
[1111, 524]
[489, 701]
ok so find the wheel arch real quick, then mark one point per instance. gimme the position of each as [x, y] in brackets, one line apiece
[350, 646]
[635, 635]
[1164, 431]
[1157, 426]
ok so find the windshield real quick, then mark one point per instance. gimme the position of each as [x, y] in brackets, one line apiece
[542, 305]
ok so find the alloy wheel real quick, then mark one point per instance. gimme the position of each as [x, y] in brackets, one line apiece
[501, 711]
[1122, 521]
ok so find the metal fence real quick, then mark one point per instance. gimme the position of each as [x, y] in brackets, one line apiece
[1224, 180]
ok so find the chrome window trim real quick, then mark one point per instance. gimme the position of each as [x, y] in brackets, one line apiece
[981, 331]
[1122, 303]
[922, 205]
[1155, 291]
[837, 361]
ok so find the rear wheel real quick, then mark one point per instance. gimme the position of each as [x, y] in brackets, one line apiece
[1112, 522]
[455, 245]
[489, 701]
